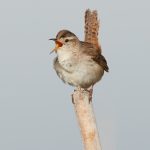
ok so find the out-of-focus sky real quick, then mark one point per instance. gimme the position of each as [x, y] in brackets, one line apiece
[36, 112]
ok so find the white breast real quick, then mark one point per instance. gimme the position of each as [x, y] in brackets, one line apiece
[67, 59]
[77, 71]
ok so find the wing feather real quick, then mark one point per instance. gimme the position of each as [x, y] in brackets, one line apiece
[94, 52]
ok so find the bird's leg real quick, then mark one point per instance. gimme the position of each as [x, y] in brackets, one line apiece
[76, 89]
[72, 98]
[90, 90]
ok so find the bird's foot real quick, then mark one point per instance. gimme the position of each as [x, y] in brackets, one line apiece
[76, 89]
[90, 95]
[90, 90]
[72, 98]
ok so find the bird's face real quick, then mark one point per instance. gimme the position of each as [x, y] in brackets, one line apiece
[65, 40]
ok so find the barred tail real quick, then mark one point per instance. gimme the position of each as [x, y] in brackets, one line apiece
[91, 27]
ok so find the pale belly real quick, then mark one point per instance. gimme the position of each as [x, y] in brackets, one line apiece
[83, 74]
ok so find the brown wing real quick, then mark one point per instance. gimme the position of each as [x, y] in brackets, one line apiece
[95, 53]
[100, 59]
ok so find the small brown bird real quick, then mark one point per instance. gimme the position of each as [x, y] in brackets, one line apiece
[78, 63]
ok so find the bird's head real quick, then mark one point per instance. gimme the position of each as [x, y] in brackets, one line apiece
[64, 40]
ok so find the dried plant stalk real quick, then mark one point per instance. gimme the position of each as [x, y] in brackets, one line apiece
[81, 98]
[86, 119]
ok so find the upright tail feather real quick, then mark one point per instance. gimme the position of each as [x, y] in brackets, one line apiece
[91, 27]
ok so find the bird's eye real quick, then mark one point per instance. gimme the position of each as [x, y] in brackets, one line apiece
[66, 40]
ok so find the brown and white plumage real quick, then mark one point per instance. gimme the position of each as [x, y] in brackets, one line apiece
[79, 63]
[91, 28]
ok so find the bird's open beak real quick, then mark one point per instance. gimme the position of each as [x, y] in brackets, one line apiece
[58, 45]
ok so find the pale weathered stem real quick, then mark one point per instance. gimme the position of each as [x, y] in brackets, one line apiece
[86, 119]
[82, 99]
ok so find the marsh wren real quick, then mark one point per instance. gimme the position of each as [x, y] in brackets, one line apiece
[78, 63]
